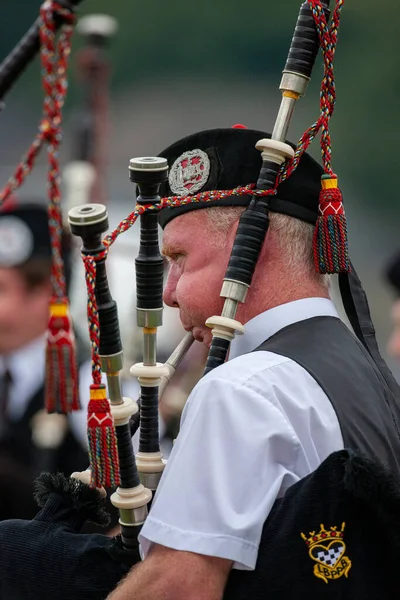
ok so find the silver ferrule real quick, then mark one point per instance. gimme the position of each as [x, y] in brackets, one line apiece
[133, 516]
[114, 388]
[149, 317]
[296, 85]
[149, 348]
[111, 365]
[294, 82]
[112, 362]
[283, 119]
[230, 308]
[235, 290]
[150, 480]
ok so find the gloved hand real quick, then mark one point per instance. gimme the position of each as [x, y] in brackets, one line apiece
[49, 559]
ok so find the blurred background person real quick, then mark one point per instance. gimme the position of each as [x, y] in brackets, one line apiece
[392, 274]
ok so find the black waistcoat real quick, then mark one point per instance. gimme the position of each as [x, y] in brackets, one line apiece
[367, 410]
[369, 416]
[19, 447]
[21, 461]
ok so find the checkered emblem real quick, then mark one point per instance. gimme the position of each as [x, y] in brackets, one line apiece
[328, 556]
[327, 549]
[189, 173]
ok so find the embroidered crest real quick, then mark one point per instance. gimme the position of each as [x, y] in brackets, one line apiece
[327, 549]
[16, 241]
[189, 173]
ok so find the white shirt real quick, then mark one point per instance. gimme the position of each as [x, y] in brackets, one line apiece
[27, 367]
[250, 429]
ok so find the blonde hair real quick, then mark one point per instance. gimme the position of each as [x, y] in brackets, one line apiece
[294, 239]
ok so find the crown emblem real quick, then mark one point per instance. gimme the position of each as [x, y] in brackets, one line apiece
[327, 549]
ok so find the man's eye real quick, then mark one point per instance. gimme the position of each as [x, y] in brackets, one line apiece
[174, 257]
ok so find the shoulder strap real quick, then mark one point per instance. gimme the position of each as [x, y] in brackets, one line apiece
[355, 304]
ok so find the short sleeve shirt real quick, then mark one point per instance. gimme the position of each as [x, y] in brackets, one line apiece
[250, 429]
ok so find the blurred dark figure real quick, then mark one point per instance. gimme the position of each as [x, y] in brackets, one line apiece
[392, 273]
[31, 441]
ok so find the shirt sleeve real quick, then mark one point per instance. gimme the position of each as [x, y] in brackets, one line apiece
[233, 452]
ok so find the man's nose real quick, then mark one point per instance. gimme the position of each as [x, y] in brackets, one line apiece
[169, 294]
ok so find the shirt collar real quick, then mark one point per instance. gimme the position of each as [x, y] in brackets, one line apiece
[26, 362]
[263, 326]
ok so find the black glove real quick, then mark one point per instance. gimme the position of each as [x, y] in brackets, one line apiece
[49, 559]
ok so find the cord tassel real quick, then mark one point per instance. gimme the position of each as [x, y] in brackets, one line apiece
[331, 253]
[103, 454]
[61, 390]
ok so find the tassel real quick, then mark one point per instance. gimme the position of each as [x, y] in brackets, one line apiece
[103, 452]
[330, 245]
[61, 391]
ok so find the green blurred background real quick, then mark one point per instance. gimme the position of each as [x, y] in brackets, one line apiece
[181, 66]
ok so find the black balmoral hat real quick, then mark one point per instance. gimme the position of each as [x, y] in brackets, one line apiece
[24, 234]
[223, 159]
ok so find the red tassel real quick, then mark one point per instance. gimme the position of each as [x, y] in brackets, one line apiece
[331, 253]
[61, 391]
[103, 451]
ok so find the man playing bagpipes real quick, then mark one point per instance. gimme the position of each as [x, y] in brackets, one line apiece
[284, 479]
[30, 439]
[298, 386]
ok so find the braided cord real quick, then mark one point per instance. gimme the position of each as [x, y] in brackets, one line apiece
[61, 389]
[93, 316]
[54, 59]
[54, 65]
[328, 41]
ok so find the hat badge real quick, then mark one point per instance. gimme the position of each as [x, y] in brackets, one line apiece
[16, 241]
[189, 173]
